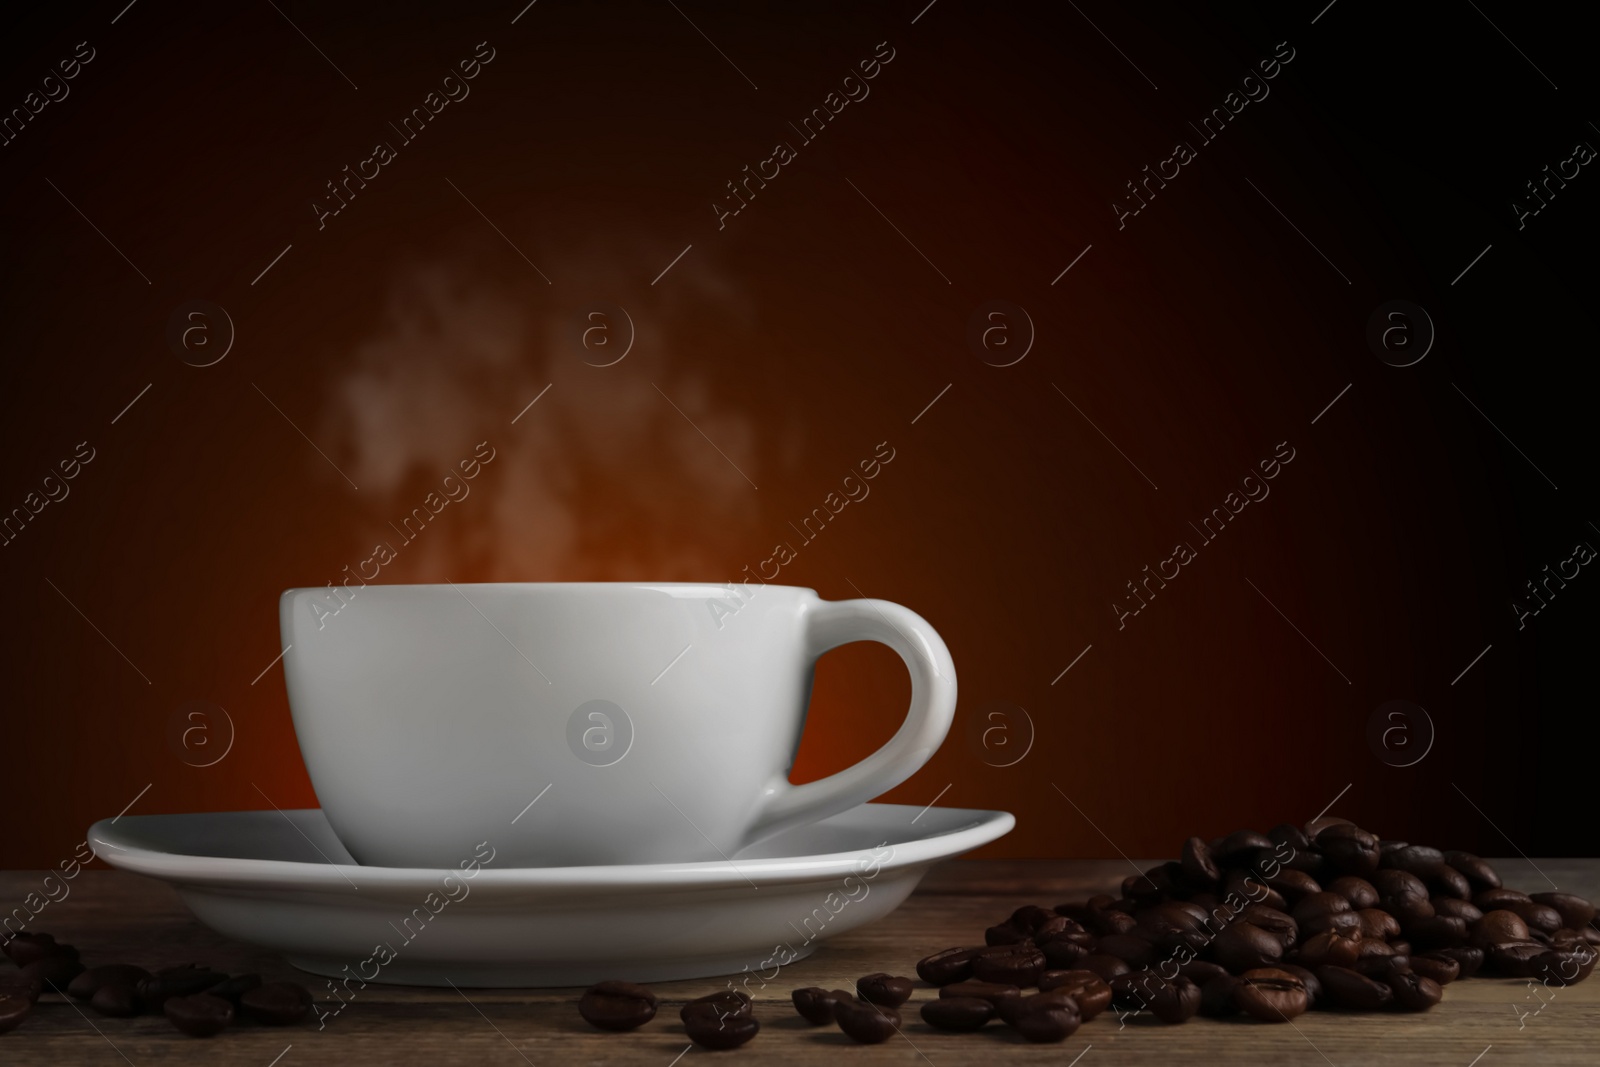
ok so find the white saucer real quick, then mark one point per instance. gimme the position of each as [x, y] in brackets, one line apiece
[282, 880]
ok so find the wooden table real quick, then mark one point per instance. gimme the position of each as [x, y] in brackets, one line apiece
[119, 917]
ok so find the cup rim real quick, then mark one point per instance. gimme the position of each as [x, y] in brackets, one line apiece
[721, 587]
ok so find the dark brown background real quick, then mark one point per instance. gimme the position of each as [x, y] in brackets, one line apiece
[798, 338]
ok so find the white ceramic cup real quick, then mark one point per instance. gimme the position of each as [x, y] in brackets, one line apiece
[575, 724]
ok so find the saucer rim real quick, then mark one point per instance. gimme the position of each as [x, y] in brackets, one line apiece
[982, 827]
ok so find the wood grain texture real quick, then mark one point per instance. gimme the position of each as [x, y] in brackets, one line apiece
[119, 917]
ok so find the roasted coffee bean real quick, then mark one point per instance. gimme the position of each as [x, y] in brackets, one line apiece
[1045, 1017]
[1131, 991]
[1575, 911]
[1440, 931]
[1063, 950]
[1150, 886]
[1316, 826]
[724, 1004]
[1271, 994]
[710, 1031]
[1168, 927]
[1440, 968]
[1240, 884]
[1379, 966]
[26, 948]
[1571, 963]
[1498, 927]
[1216, 997]
[951, 965]
[1478, 872]
[1111, 921]
[1517, 959]
[1107, 967]
[1540, 917]
[1224, 850]
[1245, 946]
[1346, 921]
[1447, 883]
[993, 992]
[1278, 923]
[1056, 924]
[1378, 925]
[1076, 910]
[1030, 917]
[199, 1015]
[870, 1024]
[1019, 965]
[885, 989]
[1402, 895]
[1332, 947]
[1347, 989]
[1199, 972]
[957, 1014]
[1489, 899]
[235, 987]
[1003, 934]
[83, 986]
[1369, 949]
[1412, 991]
[1292, 885]
[117, 1001]
[1318, 905]
[1358, 891]
[14, 1007]
[54, 972]
[175, 982]
[1307, 979]
[1087, 989]
[16, 984]
[1469, 958]
[1419, 860]
[1136, 952]
[1350, 849]
[1291, 835]
[814, 1004]
[1174, 1001]
[1199, 869]
[284, 1004]
[1456, 909]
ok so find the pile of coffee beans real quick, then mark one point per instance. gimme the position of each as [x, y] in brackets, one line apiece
[195, 999]
[1266, 926]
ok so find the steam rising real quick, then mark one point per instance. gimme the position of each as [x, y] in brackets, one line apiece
[602, 478]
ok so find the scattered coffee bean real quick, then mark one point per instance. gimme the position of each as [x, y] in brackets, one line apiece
[1576, 913]
[175, 982]
[1271, 994]
[1198, 866]
[83, 986]
[117, 1001]
[26, 948]
[199, 1015]
[1245, 946]
[1136, 952]
[885, 989]
[1435, 965]
[1045, 1017]
[1308, 979]
[1019, 965]
[284, 1003]
[951, 965]
[14, 1007]
[814, 1004]
[870, 1024]
[54, 972]
[613, 1005]
[1358, 891]
[708, 1031]
[1478, 872]
[17, 984]
[723, 1004]
[958, 1014]
[1347, 989]
[1412, 991]
[1087, 989]
[235, 987]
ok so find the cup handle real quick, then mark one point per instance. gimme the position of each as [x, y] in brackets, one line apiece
[832, 623]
